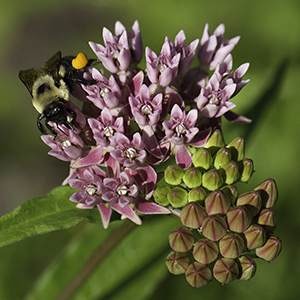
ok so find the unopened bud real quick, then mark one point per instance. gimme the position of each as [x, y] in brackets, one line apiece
[177, 262]
[197, 194]
[205, 251]
[270, 250]
[215, 142]
[246, 167]
[221, 158]
[214, 227]
[231, 191]
[192, 215]
[251, 200]
[202, 159]
[267, 220]
[226, 270]
[178, 197]
[217, 203]
[173, 175]
[181, 239]
[198, 275]
[231, 172]
[268, 191]
[248, 267]
[212, 180]
[192, 178]
[160, 195]
[237, 148]
[239, 219]
[231, 245]
[255, 236]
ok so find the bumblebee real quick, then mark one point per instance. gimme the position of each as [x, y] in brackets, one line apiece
[50, 88]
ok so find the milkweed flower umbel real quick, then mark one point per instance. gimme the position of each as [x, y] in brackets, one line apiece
[149, 140]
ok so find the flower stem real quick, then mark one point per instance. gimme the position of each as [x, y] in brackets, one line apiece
[96, 259]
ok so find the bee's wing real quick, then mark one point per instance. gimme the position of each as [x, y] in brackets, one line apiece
[28, 77]
[52, 65]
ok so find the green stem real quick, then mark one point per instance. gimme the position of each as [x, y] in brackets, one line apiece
[96, 259]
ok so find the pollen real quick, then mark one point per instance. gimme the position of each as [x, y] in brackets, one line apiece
[80, 61]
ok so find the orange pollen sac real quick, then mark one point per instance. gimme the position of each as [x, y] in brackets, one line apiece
[80, 61]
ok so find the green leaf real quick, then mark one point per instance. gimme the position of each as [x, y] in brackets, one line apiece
[43, 215]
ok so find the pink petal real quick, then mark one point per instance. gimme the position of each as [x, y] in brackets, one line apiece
[105, 213]
[183, 156]
[128, 212]
[94, 157]
[148, 208]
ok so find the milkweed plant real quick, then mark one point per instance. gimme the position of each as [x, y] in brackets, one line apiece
[150, 141]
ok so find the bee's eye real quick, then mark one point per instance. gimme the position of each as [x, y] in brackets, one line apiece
[42, 88]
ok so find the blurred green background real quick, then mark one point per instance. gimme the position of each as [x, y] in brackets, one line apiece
[32, 31]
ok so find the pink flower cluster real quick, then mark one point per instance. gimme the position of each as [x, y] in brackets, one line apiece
[133, 120]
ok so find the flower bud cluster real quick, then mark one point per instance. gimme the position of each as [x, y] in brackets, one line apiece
[222, 231]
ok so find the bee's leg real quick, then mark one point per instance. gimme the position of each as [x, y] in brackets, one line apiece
[40, 125]
[84, 81]
[72, 113]
[50, 128]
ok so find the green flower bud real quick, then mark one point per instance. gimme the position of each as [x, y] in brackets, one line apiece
[270, 250]
[231, 191]
[214, 227]
[247, 167]
[181, 239]
[197, 194]
[247, 266]
[268, 191]
[192, 178]
[237, 148]
[231, 172]
[255, 236]
[160, 195]
[178, 197]
[205, 251]
[231, 245]
[192, 215]
[251, 200]
[212, 180]
[221, 158]
[217, 203]
[202, 159]
[267, 220]
[177, 263]
[215, 142]
[198, 275]
[238, 219]
[226, 270]
[173, 175]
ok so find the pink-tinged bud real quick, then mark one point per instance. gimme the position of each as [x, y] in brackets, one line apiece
[221, 158]
[237, 148]
[178, 197]
[247, 168]
[192, 215]
[252, 201]
[202, 159]
[205, 251]
[231, 172]
[231, 191]
[226, 270]
[198, 275]
[269, 192]
[231, 245]
[214, 227]
[267, 220]
[255, 236]
[197, 194]
[181, 239]
[217, 203]
[212, 180]
[270, 250]
[177, 262]
[192, 178]
[247, 266]
[215, 142]
[173, 175]
[160, 195]
[239, 219]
